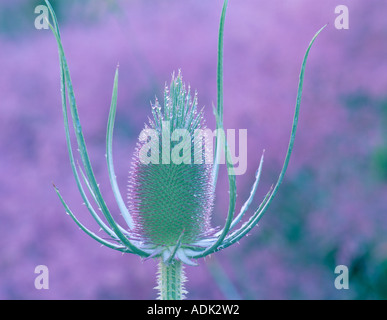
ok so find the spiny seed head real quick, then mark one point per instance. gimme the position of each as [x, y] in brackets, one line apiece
[171, 201]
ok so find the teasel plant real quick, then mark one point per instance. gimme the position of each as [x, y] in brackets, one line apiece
[168, 213]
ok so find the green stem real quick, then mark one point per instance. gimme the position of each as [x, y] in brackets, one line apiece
[171, 278]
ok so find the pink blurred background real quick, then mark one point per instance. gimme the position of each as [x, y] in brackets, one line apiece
[331, 209]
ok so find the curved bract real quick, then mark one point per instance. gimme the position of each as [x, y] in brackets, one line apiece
[169, 210]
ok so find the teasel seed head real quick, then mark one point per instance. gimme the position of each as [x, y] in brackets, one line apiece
[172, 202]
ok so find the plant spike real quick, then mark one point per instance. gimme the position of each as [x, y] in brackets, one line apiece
[231, 209]
[97, 218]
[81, 141]
[218, 146]
[246, 205]
[71, 156]
[173, 247]
[259, 213]
[109, 156]
[87, 231]
[219, 111]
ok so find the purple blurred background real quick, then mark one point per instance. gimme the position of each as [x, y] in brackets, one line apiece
[331, 208]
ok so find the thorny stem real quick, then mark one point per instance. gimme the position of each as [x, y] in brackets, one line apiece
[170, 279]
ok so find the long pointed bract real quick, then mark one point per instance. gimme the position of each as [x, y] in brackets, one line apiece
[260, 212]
[87, 231]
[246, 205]
[81, 142]
[71, 156]
[109, 156]
[219, 110]
[231, 208]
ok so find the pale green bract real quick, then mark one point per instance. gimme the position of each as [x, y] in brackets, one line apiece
[172, 224]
